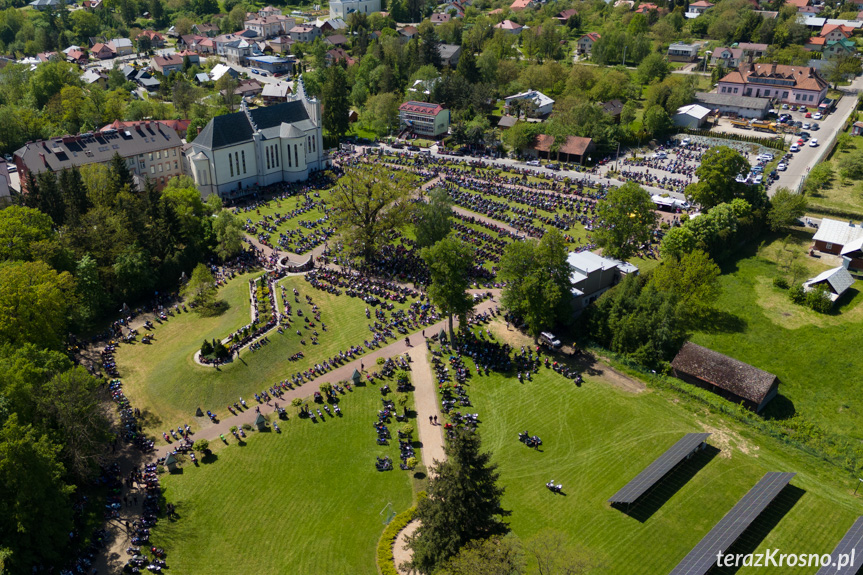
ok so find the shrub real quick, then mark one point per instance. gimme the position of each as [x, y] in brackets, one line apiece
[233, 428]
[796, 294]
[780, 282]
[381, 361]
[206, 348]
[326, 388]
[201, 445]
[411, 462]
[247, 426]
[386, 563]
[818, 300]
[407, 429]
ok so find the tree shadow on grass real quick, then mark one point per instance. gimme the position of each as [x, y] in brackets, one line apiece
[149, 419]
[668, 486]
[209, 458]
[716, 321]
[215, 309]
[780, 408]
[750, 539]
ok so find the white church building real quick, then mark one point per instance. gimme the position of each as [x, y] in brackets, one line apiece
[341, 8]
[237, 152]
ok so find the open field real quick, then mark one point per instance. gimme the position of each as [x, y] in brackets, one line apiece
[816, 356]
[841, 195]
[164, 380]
[596, 437]
[307, 500]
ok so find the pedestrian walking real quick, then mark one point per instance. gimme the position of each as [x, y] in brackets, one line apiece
[435, 419]
[430, 420]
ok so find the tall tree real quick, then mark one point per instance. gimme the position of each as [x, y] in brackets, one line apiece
[492, 556]
[368, 203]
[335, 102]
[626, 218]
[229, 235]
[693, 278]
[226, 86]
[467, 67]
[538, 286]
[433, 218]
[429, 45]
[463, 503]
[717, 177]
[35, 302]
[786, 208]
[22, 230]
[450, 261]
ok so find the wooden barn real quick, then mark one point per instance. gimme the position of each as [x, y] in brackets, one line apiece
[732, 379]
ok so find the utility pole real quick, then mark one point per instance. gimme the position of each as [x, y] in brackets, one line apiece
[624, 56]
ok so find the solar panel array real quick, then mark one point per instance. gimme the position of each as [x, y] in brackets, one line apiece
[725, 533]
[853, 541]
[657, 470]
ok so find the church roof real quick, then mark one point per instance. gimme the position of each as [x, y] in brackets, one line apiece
[231, 129]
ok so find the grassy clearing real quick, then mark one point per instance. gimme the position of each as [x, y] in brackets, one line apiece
[814, 355]
[307, 500]
[597, 437]
[843, 195]
[164, 380]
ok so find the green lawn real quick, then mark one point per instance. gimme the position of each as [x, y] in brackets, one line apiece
[596, 437]
[307, 500]
[164, 380]
[843, 195]
[817, 357]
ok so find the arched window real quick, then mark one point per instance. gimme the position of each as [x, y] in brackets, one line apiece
[231, 164]
[244, 161]
[296, 156]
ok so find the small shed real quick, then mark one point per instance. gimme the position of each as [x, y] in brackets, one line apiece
[171, 462]
[692, 116]
[732, 379]
[836, 280]
[261, 422]
[356, 377]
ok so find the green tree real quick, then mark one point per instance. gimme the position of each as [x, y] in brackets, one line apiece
[335, 102]
[693, 278]
[381, 113]
[492, 556]
[368, 203]
[656, 120]
[201, 445]
[35, 499]
[133, 272]
[555, 553]
[467, 67]
[22, 231]
[35, 303]
[841, 67]
[626, 219]
[226, 87]
[229, 235]
[653, 67]
[429, 45]
[677, 242]
[464, 504]
[717, 177]
[786, 208]
[201, 289]
[91, 294]
[851, 166]
[450, 261]
[433, 219]
[538, 286]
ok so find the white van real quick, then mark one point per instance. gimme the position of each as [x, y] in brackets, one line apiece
[548, 339]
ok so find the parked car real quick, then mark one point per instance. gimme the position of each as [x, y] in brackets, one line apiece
[782, 167]
[758, 179]
[813, 143]
[817, 116]
[806, 125]
[794, 148]
[815, 127]
[549, 339]
[808, 115]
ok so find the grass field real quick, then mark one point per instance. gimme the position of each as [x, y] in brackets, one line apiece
[816, 356]
[596, 437]
[843, 195]
[164, 380]
[307, 500]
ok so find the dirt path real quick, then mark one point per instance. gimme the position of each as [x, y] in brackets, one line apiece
[401, 553]
[425, 398]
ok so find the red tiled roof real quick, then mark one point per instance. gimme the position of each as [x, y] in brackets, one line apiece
[805, 78]
[422, 108]
[543, 143]
[519, 5]
[509, 25]
[594, 36]
[567, 14]
[798, 3]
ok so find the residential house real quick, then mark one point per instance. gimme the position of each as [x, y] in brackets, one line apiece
[146, 81]
[698, 8]
[179, 126]
[839, 48]
[236, 153]
[269, 11]
[833, 235]
[264, 27]
[586, 42]
[239, 51]
[753, 49]
[836, 282]
[532, 103]
[449, 54]
[339, 54]
[424, 119]
[439, 18]
[202, 78]
[156, 39]
[150, 150]
[78, 57]
[857, 129]
[92, 5]
[331, 25]
[95, 77]
[194, 57]
[209, 30]
[613, 108]
[646, 7]
[852, 255]
[519, 5]
[305, 34]
[336, 40]
[680, 52]
[168, 63]
[592, 275]
[248, 88]
[221, 42]
[509, 27]
[408, 33]
[281, 45]
[47, 56]
[276, 93]
[732, 379]
[788, 84]
[220, 70]
[728, 58]
[121, 46]
[564, 16]
[46, 4]
[342, 8]
[102, 51]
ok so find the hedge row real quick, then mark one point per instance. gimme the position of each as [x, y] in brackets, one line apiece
[385, 560]
[766, 142]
